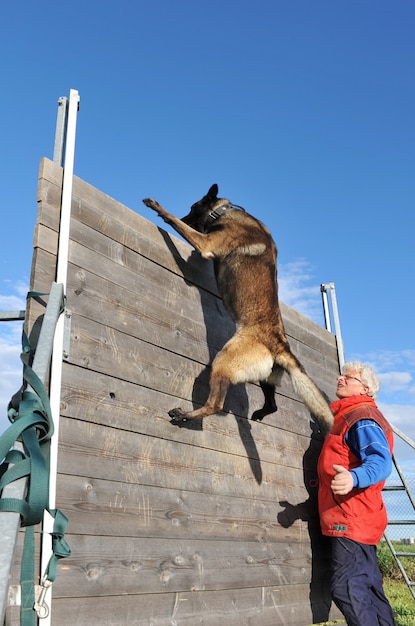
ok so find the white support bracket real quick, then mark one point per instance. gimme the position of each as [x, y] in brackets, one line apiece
[67, 323]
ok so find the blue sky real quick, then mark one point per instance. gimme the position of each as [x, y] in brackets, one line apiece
[302, 111]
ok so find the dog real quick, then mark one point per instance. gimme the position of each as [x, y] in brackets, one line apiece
[244, 256]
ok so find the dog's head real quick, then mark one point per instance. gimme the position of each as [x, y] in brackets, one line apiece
[199, 217]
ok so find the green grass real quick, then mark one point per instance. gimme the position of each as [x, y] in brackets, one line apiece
[396, 590]
[401, 601]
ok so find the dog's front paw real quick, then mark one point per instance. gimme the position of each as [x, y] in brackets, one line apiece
[152, 204]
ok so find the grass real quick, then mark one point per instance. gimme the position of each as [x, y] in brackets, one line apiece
[401, 601]
[396, 590]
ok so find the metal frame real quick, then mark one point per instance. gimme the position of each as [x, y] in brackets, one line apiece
[12, 316]
[399, 554]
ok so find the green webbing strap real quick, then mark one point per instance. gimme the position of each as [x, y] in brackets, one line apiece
[33, 463]
[27, 574]
[32, 423]
[60, 548]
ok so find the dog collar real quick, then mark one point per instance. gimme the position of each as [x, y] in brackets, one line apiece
[220, 210]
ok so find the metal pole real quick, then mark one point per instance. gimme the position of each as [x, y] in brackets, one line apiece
[9, 530]
[41, 360]
[60, 133]
[12, 316]
[340, 349]
[325, 307]
[404, 437]
[57, 355]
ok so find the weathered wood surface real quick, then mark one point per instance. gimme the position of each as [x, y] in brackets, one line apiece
[267, 606]
[212, 523]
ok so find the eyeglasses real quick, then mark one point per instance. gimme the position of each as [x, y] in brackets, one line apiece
[348, 377]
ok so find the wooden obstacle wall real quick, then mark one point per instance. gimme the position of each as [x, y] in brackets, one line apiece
[213, 523]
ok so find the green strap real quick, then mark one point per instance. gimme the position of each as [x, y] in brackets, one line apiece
[32, 424]
[27, 614]
[32, 427]
[60, 548]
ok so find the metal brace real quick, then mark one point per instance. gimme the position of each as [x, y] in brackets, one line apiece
[66, 333]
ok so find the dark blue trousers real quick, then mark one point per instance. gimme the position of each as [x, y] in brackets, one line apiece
[357, 586]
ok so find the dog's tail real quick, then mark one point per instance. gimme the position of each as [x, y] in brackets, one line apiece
[312, 398]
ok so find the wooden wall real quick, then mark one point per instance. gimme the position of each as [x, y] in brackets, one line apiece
[213, 523]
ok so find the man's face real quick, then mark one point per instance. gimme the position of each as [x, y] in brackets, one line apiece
[349, 384]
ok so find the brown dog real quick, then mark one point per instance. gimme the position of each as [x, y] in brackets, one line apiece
[244, 256]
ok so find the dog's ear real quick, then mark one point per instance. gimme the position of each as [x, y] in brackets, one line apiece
[213, 191]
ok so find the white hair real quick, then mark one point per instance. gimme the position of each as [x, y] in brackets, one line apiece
[366, 374]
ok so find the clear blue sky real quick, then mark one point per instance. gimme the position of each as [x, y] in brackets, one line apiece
[301, 110]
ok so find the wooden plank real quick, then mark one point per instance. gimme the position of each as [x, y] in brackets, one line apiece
[51, 172]
[269, 606]
[101, 452]
[49, 205]
[107, 508]
[46, 239]
[126, 565]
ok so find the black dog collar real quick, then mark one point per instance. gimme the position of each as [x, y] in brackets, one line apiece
[220, 210]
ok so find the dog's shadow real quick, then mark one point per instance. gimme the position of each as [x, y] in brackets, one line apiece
[237, 399]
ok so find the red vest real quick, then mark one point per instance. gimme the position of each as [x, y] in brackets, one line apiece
[360, 515]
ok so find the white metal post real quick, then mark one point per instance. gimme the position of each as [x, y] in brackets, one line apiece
[326, 308]
[329, 287]
[57, 356]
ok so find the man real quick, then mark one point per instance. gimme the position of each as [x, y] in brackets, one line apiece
[354, 463]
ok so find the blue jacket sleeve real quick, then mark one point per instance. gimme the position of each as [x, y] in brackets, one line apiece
[368, 442]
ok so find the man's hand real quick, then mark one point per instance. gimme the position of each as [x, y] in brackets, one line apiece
[342, 483]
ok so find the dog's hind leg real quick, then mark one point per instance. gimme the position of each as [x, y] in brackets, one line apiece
[241, 360]
[270, 406]
[268, 388]
[214, 404]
